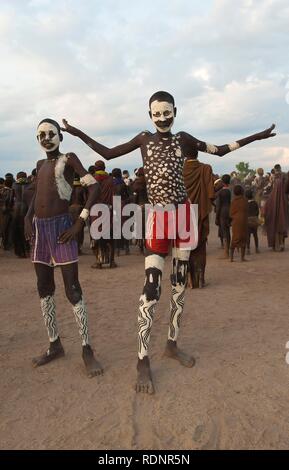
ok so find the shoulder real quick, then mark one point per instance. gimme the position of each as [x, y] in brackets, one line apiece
[72, 160]
[145, 133]
[40, 163]
[186, 136]
[143, 136]
[71, 157]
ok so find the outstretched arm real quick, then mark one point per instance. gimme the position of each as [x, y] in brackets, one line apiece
[222, 150]
[105, 152]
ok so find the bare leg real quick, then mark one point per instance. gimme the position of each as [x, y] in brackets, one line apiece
[154, 265]
[248, 241]
[255, 235]
[74, 295]
[232, 254]
[178, 278]
[243, 248]
[112, 263]
[46, 288]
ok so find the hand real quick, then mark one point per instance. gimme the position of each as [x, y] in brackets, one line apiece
[70, 234]
[28, 229]
[68, 128]
[267, 133]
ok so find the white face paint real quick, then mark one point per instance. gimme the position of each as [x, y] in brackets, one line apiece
[48, 137]
[162, 115]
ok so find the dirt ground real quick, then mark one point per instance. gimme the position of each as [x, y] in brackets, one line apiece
[236, 397]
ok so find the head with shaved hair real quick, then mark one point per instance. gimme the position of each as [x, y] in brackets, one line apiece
[162, 111]
[49, 134]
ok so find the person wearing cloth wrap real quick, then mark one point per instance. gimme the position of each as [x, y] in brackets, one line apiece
[48, 226]
[163, 156]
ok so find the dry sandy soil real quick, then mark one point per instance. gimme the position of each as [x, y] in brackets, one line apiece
[236, 397]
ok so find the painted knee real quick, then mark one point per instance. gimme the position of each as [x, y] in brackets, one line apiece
[73, 293]
[154, 265]
[152, 287]
[180, 263]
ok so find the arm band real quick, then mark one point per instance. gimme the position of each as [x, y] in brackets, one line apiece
[87, 180]
[84, 214]
[233, 146]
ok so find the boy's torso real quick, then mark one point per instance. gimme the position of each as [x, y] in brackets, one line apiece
[54, 187]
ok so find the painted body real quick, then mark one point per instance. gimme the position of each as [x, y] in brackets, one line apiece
[163, 156]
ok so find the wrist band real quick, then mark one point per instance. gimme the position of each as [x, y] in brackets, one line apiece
[87, 180]
[84, 214]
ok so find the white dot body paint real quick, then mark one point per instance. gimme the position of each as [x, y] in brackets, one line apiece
[161, 111]
[46, 128]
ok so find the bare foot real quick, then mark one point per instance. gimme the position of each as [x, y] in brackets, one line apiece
[54, 352]
[223, 257]
[144, 382]
[174, 352]
[93, 367]
[96, 266]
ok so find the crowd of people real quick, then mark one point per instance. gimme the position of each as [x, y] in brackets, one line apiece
[16, 194]
[241, 206]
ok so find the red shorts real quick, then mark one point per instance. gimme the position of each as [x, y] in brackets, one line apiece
[178, 227]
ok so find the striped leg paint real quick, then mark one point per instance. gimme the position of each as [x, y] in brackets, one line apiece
[49, 314]
[80, 314]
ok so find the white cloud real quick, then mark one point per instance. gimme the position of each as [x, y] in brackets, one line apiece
[97, 63]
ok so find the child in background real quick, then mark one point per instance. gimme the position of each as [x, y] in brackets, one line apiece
[239, 216]
[253, 221]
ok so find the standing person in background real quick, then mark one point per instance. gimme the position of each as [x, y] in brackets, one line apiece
[20, 208]
[259, 184]
[253, 220]
[126, 178]
[218, 184]
[198, 179]
[276, 210]
[239, 216]
[91, 170]
[2, 208]
[30, 188]
[7, 197]
[223, 204]
[122, 190]
[104, 249]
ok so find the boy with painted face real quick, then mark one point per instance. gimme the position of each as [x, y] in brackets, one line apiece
[49, 227]
[163, 156]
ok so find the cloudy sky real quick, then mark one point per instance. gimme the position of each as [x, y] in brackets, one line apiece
[97, 62]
